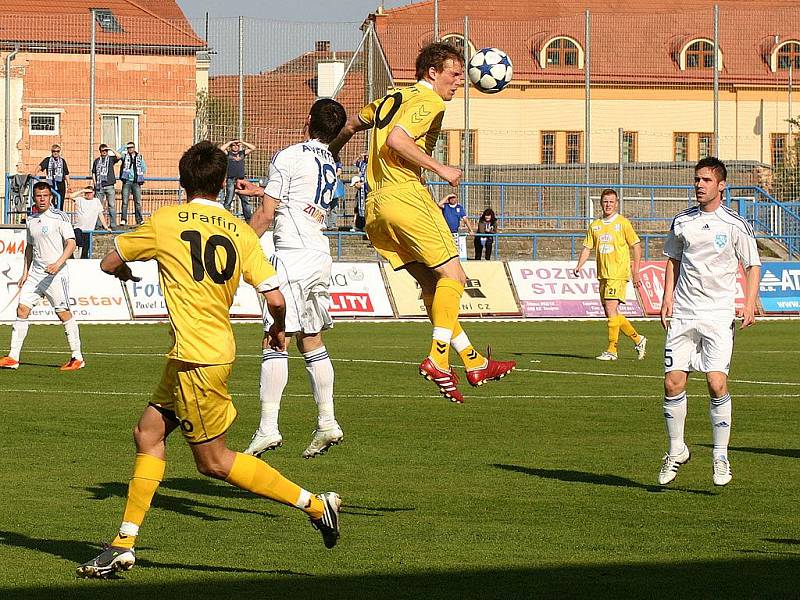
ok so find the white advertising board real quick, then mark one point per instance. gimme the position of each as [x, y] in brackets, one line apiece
[357, 290]
[147, 299]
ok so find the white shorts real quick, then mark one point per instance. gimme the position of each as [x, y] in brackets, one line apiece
[304, 276]
[41, 284]
[694, 345]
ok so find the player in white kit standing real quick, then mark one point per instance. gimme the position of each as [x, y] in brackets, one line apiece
[302, 182]
[50, 241]
[705, 245]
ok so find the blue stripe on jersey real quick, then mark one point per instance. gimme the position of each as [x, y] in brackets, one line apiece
[689, 212]
[739, 220]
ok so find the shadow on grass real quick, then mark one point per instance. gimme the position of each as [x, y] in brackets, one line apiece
[729, 579]
[184, 506]
[787, 452]
[78, 552]
[596, 479]
[555, 355]
[789, 541]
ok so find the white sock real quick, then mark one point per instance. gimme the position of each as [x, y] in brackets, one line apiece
[441, 334]
[274, 375]
[460, 342]
[720, 411]
[18, 333]
[320, 374]
[674, 419]
[73, 338]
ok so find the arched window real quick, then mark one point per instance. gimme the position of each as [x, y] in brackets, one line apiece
[699, 54]
[457, 41]
[561, 52]
[786, 55]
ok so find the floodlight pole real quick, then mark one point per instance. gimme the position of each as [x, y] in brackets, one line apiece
[241, 78]
[465, 150]
[716, 80]
[587, 152]
[435, 20]
[7, 163]
[92, 85]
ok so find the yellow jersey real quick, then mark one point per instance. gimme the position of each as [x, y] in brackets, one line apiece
[612, 239]
[419, 111]
[202, 252]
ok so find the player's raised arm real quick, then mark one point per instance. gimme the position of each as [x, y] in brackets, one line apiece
[353, 125]
[403, 144]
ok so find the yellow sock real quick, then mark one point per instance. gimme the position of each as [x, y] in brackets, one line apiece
[626, 328]
[444, 316]
[613, 334]
[254, 475]
[148, 471]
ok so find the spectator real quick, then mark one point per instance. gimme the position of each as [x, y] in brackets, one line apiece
[483, 243]
[337, 201]
[455, 216]
[236, 150]
[104, 181]
[360, 202]
[57, 174]
[88, 209]
[131, 173]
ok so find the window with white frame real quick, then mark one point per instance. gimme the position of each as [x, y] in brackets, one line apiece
[45, 123]
[118, 130]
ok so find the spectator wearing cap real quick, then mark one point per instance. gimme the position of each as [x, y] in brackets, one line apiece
[104, 181]
[56, 172]
[131, 173]
[88, 210]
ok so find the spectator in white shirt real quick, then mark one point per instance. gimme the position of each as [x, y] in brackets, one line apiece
[88, 210]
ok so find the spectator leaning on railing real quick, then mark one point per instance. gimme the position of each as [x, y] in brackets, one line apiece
[88, 210]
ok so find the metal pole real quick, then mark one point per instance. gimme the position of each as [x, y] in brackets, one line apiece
[588, 114]
[465, 149]
[620, 177]
[435, 20]
[92, 86]
[241, 78]
[370, 66]
[716, 80]
[7, 163]
[761, 127]
[791, 74]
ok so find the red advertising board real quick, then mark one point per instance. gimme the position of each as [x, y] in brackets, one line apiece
[652, 289]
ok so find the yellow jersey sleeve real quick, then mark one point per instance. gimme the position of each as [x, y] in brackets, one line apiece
[367, 114]
[422, 116]
[139, 244]
[256, 269]
[630, 235]
[588, 240]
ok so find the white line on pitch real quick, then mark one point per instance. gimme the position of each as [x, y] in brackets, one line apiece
[401, 362]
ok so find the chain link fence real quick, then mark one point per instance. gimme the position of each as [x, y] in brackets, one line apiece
[605, 98]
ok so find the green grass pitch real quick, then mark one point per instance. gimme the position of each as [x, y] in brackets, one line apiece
[541, 485]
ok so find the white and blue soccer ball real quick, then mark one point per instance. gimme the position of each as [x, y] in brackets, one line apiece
[490, 70]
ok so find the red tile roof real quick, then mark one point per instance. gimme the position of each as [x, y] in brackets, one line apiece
[66, 24]
[632, 42]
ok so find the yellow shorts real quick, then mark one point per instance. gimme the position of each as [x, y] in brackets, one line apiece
[197, 396]
[405, 226]
[613, 289]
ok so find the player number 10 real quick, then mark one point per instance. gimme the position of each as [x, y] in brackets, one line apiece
[204, 260]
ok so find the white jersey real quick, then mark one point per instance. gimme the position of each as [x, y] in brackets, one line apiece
[709, 246]
[86, 213]
[302, 178]
[47, 233]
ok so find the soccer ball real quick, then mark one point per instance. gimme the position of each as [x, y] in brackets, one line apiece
[490, 70]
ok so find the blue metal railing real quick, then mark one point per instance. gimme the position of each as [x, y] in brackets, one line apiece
[564, 206]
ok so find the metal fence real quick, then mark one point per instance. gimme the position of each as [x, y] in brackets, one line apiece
[597, 98]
